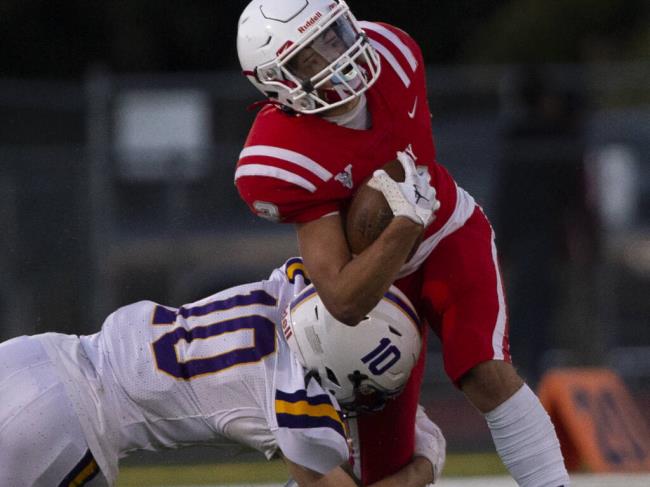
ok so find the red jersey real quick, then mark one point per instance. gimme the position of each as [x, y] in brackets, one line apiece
[296, 168]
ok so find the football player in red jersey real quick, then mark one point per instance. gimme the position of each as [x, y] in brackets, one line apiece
[344, 97]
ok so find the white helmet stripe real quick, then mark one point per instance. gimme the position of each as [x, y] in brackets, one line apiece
[287, 156]
[384, 32]
[392, 61]
[273, 172]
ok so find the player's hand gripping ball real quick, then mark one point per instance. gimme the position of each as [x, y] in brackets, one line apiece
[370, 212]
[414, 198]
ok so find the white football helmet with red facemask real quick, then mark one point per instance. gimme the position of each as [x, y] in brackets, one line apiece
[308, 55]
[362, 365]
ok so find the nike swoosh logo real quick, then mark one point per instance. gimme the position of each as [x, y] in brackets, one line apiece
[415, 108]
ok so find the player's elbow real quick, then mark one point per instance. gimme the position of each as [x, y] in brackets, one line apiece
[344, 302]
[346, 311]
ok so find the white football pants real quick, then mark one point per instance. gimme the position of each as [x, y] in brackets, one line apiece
[41, 441]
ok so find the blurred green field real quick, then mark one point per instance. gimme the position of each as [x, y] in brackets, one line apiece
[457, 465]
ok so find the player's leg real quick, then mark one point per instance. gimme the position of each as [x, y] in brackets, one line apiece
[462, 287]
[385, 439]
[41, 441]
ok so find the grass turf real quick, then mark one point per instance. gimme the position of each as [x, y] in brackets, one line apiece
[274, 472]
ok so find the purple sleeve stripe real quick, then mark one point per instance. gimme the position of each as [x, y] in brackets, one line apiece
[405, 307]
[305, 422]
[83, 472]
[301, 395]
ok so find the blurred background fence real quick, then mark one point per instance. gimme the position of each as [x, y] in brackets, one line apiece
[121, 122]
[120, 187]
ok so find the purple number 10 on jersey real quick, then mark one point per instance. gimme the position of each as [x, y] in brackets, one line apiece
[238, 351]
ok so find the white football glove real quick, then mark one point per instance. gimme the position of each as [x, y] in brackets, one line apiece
[415, 198]
[430, 442]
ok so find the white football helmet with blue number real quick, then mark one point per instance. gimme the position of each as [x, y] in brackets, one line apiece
[307, 55]
[361, 365]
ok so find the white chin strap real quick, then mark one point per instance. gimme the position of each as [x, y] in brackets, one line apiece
[341, 92]
[343, 89]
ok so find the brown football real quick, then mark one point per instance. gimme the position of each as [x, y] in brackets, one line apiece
[369, 214]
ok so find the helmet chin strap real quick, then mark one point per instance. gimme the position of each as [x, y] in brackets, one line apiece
[353, 81]
[335, 94]
[365, 401]
[339, 90]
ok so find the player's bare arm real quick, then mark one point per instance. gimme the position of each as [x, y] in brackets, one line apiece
[349, 286]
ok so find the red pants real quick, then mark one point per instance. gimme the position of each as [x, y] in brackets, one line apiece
[458, 292]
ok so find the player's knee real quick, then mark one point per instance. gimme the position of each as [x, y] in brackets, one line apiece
[490, 383]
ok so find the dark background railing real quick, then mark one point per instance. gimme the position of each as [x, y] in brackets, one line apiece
[544, 116]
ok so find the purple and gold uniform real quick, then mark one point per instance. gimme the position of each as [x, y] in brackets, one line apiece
[156, 377]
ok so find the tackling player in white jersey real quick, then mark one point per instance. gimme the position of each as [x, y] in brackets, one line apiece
[261, 364]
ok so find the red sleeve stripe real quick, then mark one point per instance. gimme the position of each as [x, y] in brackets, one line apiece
[287, 156]
[392, 37]
[273, 172]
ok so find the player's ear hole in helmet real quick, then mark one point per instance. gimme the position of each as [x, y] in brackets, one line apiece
[308, 55]
[363, 365]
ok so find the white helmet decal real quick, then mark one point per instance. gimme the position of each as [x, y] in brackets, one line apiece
[308, 55]
[361, 365]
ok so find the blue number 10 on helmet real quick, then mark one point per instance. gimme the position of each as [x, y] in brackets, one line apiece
[361, 365]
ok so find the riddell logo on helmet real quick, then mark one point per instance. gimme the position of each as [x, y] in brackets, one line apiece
[284, 47]
[303, 28]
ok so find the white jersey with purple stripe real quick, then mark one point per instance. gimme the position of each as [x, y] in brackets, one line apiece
[216, 370]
